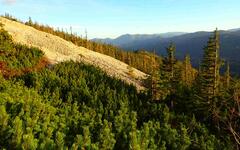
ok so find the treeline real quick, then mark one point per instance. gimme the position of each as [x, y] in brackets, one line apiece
[141, 60]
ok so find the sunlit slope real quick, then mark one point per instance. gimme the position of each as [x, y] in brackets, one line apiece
[57, 50]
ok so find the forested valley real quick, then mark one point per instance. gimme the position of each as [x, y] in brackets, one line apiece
[73, 105]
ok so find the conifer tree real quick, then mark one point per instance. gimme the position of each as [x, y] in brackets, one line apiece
[30, 21]
[155, 79]
[170, 61]
[169, 69]
[158, 81]
[86, 138]
[29, 141]
[210, 66]
[169, 74]
[106, 138]
[133, 134]
[18, 132]
[187, 71]
[227, 76]
[59, 140]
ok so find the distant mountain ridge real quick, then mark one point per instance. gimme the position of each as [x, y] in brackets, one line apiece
[233, 30]
[130, 38]
[186, 43]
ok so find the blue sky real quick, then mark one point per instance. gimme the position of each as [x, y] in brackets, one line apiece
[111, 18]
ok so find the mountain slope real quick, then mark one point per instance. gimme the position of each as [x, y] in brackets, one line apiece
[57, 50]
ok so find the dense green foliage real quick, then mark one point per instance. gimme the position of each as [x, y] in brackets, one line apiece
[77, 106]
[74, 105]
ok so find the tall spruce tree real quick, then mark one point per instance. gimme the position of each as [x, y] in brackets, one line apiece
[158, 81]
[169, 73]
[170, 61]
[168, 67]
[155, 80]
[210, 66]
[227, 76]
[187, 71]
